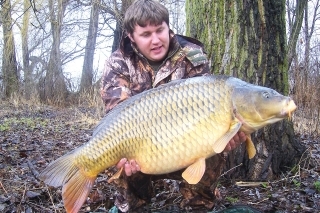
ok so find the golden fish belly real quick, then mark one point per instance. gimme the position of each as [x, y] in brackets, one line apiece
[163, 130]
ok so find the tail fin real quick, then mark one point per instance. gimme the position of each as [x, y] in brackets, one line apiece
[75, 185]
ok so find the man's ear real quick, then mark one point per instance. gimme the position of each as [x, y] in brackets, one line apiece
[131, 37]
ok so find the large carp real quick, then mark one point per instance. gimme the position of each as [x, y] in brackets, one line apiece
[174, 126]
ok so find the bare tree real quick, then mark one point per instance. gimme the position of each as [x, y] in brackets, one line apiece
[9, 61]
[51, 37]
[25, 50]
[177, 15]
[305, 74]
[55, 86]
[295, 25]
[118, 14]
[87, 70]
[308, 32]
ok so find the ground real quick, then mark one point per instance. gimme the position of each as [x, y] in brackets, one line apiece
[33, 136]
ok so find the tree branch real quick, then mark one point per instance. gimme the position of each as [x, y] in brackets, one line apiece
[295, 31]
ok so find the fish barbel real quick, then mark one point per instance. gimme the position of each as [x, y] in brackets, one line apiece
[174, 126]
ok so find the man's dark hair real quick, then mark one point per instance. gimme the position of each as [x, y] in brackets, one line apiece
[144, 12]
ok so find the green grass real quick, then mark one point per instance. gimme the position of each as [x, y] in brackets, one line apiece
[232, 199]
[317, 186]
[9, 124]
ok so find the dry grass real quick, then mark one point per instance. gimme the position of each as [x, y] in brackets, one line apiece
[91, 99]
[88, 107]
[87, 104]
[305, 92]
[18, 101]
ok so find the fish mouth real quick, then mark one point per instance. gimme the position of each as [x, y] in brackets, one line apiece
[289, 109]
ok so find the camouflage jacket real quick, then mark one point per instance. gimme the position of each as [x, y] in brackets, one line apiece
[127, 72]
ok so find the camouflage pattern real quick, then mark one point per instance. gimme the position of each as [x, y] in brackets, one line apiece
[127, 72]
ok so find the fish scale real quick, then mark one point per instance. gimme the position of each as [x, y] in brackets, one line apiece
[174, 126]
[133, 122]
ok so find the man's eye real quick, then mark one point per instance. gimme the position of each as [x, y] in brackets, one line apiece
[160, 30]
[145, 35]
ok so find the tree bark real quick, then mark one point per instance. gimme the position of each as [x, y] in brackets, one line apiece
[301, 7]
[87, 70]
[119, 15]
[55, 86]
[9, 61]
[247, 39]
[28, 80]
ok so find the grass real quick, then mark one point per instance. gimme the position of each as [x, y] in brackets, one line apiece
[29, 123]
[232, 199]
[316, 185]
[305, 93]
[296, 183]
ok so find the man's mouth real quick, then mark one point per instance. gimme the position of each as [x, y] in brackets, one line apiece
[156, 49]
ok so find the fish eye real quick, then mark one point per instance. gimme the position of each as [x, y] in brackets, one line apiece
[266, 94]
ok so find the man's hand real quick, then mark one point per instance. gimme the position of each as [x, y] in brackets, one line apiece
[131, 167]
[238, 139]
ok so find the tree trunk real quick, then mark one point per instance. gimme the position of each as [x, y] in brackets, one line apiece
[301, 6]
[247, 39]
[87, 71]
[55, 86]
[9, 61]
[118, 31]
[119, 15]
[28, 85]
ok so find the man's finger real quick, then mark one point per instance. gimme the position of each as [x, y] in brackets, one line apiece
[121, 163]
[133, 165]
[228, 148]
[127, 169]
[233, 144]
[235, 139]
[138, 167]
[242, 137]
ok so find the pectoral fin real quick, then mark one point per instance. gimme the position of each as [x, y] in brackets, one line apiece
[195, 171]
[251, 149]
[116, 175]
[221, 144]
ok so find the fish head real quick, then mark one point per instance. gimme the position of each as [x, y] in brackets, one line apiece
[257, 106]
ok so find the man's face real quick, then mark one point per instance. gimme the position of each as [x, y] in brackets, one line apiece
[152, 41]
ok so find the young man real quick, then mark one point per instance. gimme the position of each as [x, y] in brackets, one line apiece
[150, 55]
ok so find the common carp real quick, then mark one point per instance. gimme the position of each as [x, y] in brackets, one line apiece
[174, 126]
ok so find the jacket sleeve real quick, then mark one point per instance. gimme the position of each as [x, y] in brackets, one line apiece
[115, 82]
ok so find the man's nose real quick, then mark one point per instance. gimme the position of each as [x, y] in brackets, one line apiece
[155, 38]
